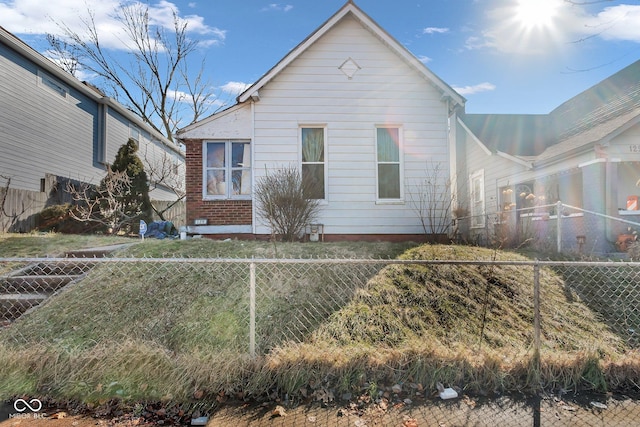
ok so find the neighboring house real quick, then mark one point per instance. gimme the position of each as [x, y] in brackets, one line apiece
[54, 127]
[349, 106]
[585, 153]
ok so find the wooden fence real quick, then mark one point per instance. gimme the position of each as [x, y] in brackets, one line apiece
[21, 208]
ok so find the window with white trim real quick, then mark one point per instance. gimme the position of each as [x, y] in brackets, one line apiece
[227, 170]
[313, 161]
[388, 163]
[476, 181]
[134, 132]
[52, 85]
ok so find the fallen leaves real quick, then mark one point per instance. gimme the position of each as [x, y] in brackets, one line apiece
[59, 415]
[279, 411]
[407, 421]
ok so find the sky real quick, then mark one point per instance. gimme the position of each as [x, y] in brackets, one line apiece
[503, 56]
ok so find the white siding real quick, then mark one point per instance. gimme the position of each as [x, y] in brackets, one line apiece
[234, 123]
[626, 147]
[385, 91]
[497, 170]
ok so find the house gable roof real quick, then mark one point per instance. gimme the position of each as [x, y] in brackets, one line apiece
[350, 8]
[600, 133]
[594, 116]
[514, 134]
[616, 95]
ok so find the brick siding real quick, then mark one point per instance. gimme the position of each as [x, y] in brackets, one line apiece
[217, 212]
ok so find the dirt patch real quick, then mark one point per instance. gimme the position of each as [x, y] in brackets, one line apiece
[574, 410]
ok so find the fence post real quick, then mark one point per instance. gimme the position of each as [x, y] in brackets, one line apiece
[252, 309]
[536, 322]
[559, 226]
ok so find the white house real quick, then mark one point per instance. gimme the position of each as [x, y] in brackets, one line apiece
[349, 106]
[585, 153]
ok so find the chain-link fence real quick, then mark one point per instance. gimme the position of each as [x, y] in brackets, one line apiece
[296, 295]
[251, 306]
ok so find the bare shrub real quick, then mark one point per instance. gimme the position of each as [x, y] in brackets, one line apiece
[281, 202]
[433, 199]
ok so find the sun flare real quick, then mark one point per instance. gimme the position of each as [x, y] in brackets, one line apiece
[536, 13]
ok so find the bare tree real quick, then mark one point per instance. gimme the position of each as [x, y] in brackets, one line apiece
[66, 55]
[155, 83]
[105, 205]
[163, 173]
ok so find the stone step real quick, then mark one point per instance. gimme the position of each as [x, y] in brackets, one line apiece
[99, 252]
[28, 284]
[13, 306]
[45, 268]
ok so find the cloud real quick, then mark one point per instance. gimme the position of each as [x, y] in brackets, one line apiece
[616, 23]
[277, 7]
[470, 90]
[570, 23]
[184, 98]
[424, 59]
[37, 17]
[234, 88]
[475, 42]
[435, 30]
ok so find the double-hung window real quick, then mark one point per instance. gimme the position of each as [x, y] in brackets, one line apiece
[388, 163]
[313, 162]
[227, 170]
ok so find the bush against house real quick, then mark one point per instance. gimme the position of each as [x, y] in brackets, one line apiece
[283, 203]
[122, 198]
[135, 197]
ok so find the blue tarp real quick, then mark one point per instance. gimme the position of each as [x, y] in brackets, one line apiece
[161, 229]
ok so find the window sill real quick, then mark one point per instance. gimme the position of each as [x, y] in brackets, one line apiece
[624, 212]
[224, 199]
[390, 202]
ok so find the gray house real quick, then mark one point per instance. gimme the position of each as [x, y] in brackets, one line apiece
[54, 127]
[584, 154]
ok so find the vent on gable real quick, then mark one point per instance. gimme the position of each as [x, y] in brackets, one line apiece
[349, 68]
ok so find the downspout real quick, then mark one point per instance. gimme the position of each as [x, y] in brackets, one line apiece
[452, 124]
[103, 117]
[253, 169]
[453, 153]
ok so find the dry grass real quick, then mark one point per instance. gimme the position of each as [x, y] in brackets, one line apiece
[470, 326]
[52, 244]
[159, 337]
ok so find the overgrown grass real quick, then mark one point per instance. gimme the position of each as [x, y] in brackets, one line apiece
[232, 248]
[179, 329]
[52, 244]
